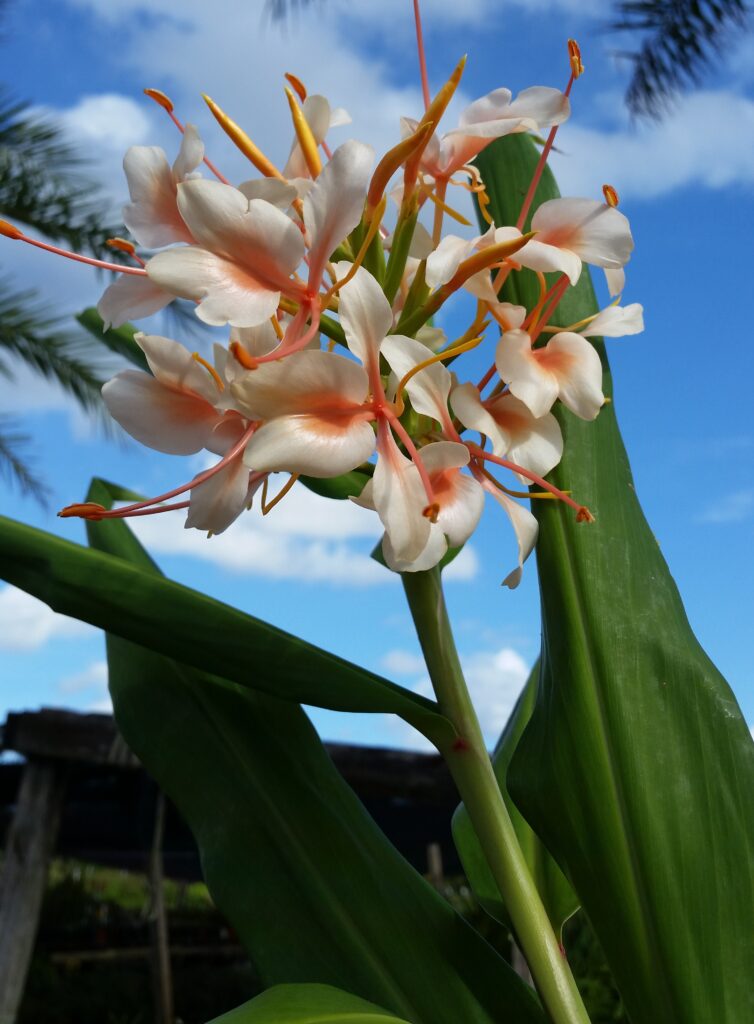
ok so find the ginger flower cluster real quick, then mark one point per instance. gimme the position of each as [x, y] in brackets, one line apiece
[327, 276]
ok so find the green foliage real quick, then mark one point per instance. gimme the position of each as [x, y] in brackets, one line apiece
[680, 39]
[557, 895]
[637, 767]
[312, 887]
[307, 1004]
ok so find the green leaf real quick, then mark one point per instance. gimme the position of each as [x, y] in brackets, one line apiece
[557, 895]
[182, 623]
[637, 767]
[314, 890]
[340, 487]
[307, 1004]
[119, 340]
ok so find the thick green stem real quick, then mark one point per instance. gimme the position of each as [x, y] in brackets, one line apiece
[470, 764]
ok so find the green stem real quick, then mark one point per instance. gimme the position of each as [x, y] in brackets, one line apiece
[470, 765]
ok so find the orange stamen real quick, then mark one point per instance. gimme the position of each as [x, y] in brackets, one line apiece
[305, 136]
[239, 352]
[10, 231]
[239, 138]
[611, 196]
[574, 57]
[269, 506]
[159, 97]
[297, 84]
[210, 370]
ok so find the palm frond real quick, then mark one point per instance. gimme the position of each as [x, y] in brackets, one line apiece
[42, 183]
[680, 39]
[29, 332]
[278, 10]
[14, 465]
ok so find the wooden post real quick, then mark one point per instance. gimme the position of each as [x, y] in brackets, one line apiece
[28, 849]
[161, 971]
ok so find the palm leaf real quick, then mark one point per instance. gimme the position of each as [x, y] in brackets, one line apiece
[680, 38]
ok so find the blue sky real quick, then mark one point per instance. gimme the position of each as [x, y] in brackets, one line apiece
[682, 388]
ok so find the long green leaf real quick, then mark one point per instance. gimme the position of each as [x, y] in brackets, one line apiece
[118, 339]
[557, 895]
[313, 888]
[307, 1004]
[185, 624]
[637, 768]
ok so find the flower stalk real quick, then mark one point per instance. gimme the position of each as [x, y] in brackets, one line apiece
[469, 763]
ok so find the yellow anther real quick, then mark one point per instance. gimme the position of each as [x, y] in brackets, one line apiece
[374, 226]
[240, 139]
[210, 370]
[9, 230]
[574, 56]
[297, 84]
[268, 507]
[276, 327]
[392, 160]
[611, 196]
[448, 353]
[459, 217]
[122, 245]
[85, 510]
[159, 97]
[305, 136]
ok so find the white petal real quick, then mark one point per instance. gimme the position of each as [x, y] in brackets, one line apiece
[525, 527]
[429, 388]
[334, 206]
[152, 216]
[365, 314]
[272, 190]
[447, 257]
[314, 444]
[434, 338]
[190, 154]
[174, 366]
[169, 421]
[535, 444]
[257, 341]
[541, 255]
[219, 501]
[225, 291]
[339, 116]
[305, 382]
[250, 232]
[400, 499]
[542, 104]
[432, 553]
[616, 322]
[466, 403]
[460, 498]
[577, 367]
[130, 298]
[616, 280]
[527, 378]
[596, 232]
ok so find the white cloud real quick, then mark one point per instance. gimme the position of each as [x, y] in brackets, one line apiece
[306, 537]
[730, 508]
[91, 683]
[27, 624]
[708, 140]
[402, 663]
[109, 120]
[494, 678]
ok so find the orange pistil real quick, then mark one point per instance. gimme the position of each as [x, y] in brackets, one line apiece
[239, 352]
